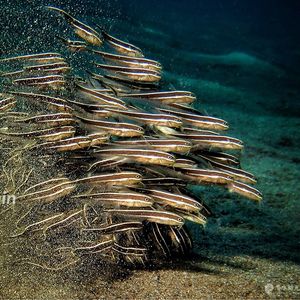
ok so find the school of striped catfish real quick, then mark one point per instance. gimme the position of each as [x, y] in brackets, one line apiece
[129, 152]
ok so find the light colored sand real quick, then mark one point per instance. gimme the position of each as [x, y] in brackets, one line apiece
[213, 278]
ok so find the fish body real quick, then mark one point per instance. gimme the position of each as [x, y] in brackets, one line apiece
[167, 145]
[121, 178]
[84, 31]
[114, 128]
[160, 217]
[134, 62]
[121, 46]
[73, 46]
[135, 74]
[140, 155]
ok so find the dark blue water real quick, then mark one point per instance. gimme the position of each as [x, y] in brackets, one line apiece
[275, 24]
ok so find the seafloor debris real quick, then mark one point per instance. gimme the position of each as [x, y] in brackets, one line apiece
[128, 152]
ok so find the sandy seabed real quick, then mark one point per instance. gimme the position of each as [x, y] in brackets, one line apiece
[247, 250]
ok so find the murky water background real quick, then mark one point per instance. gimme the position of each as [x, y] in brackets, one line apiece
[242, 62]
